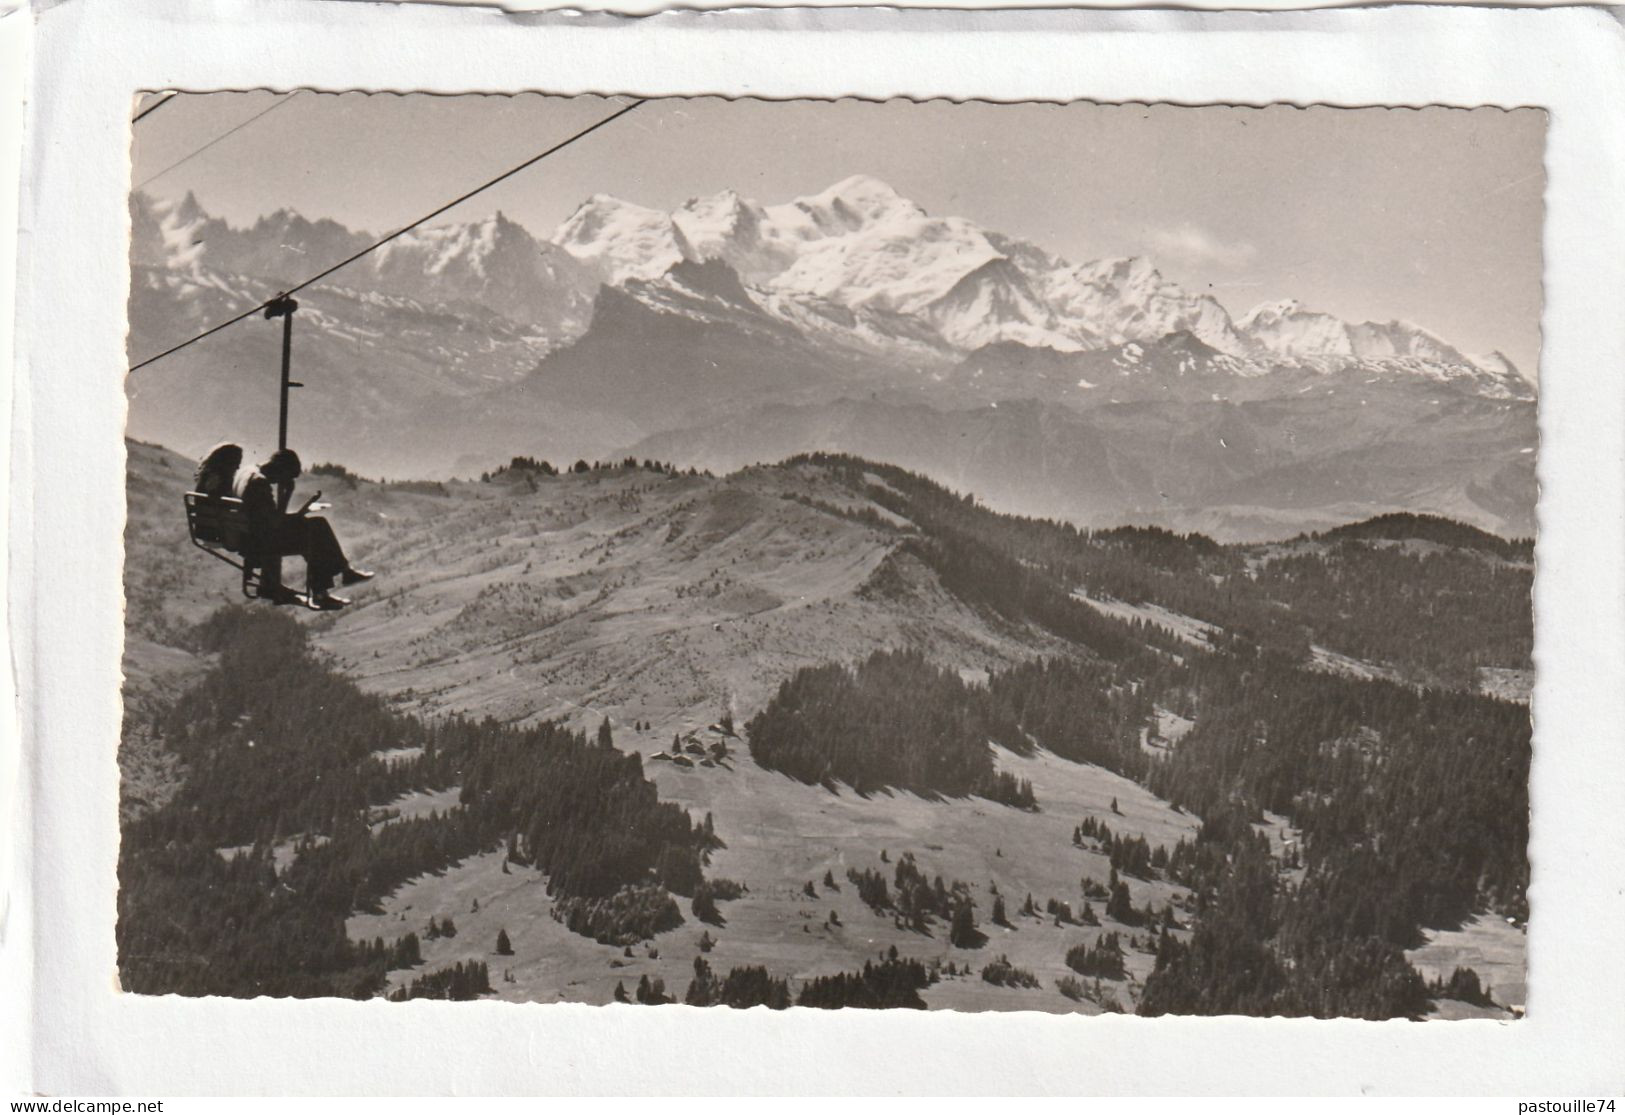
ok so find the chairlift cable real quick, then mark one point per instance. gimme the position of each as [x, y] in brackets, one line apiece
[319, 276]
[224, 135]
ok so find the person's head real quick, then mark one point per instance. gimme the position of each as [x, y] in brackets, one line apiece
[223, 459]
[282, 465]
[215, 471]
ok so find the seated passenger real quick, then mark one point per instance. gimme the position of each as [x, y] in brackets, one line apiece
[217, 471]
[274, 532]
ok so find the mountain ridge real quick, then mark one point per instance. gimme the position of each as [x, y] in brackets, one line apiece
[858, 244]
[690, 333]
[857, 238]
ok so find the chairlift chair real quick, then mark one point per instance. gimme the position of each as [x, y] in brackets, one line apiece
[218, 525]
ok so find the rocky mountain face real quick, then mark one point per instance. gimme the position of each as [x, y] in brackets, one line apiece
[492, 265]
[728, 331]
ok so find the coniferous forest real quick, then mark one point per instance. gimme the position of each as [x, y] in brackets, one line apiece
[1413, 806]
[1411, 796]
[277, 744]
[896, 721]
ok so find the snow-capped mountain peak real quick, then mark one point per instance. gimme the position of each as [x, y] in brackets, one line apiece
[733, 229]
[1128, 299]
[166, 232]
[1285, 331]
[995, 303]
[717, 217]
[1285, 328]
[900, 264]
[856, 265]
[850, 205]
[446, 247]
[862, 245]
[869, 198]
[1124, 273]
[494, 262]
[1269, 312]
[1374, 339]
[622, 241]
[1496, 364]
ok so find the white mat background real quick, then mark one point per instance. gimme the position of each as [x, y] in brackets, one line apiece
[67, 514]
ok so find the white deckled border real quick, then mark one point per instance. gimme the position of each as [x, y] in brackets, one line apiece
[67, 515]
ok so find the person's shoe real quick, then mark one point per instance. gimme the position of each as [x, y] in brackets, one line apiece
[355, 576]
[327, 602]
[279, 594]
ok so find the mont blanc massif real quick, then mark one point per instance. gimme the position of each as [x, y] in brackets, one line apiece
[824, 604]
[728, 333]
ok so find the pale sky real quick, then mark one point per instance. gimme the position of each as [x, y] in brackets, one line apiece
[1431, 215]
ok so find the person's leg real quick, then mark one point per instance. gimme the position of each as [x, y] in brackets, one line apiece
[312, 538]
[324, 557]
[263, 551]
[293, 537]
[266, 567]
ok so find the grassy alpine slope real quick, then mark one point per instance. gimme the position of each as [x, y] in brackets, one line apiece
[668, 604]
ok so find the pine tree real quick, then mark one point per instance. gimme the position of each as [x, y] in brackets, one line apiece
[962, 932]
[1121, 906]
[704, 906]
[504, 946]
[702, 990]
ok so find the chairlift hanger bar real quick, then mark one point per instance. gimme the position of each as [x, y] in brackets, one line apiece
[319, 276]
[284, 308]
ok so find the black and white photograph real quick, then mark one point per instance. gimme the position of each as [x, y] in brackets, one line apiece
[924, 554]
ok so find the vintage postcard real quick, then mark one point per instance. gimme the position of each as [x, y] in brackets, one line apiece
[816, 552]
[1058, 557]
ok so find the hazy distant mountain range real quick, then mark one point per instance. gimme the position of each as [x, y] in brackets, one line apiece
[728, 332]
